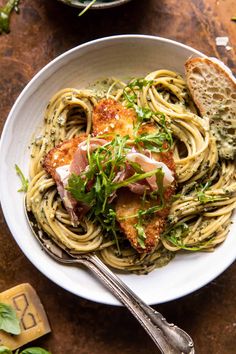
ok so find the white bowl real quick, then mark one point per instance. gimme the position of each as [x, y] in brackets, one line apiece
[122, 56]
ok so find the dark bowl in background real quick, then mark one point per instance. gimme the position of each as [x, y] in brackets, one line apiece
[99, 5]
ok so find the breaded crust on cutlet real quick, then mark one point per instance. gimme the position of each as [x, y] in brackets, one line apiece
[129, 204]
[61, 155]
[112, 118]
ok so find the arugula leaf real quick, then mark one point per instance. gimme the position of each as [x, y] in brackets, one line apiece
[8, 320]
[140, 83]
[160, 184]
[5, 350]
[167, 131]
[77, 187]
[155, 141]
[24, 180]
[176, 233]
[35, 350]
[135, 178]
[143, 113]
[141, 232]
[87, 7]
[204, 198]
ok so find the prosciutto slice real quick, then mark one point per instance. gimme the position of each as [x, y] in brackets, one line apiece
[77, 166]
[148, 164]
[70, 203]
[80, 159]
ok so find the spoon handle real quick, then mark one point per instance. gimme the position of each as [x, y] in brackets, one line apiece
[169, 338]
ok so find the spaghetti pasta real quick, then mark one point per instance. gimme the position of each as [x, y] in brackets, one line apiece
[200, 215]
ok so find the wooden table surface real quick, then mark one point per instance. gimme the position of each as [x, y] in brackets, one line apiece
[43, 30]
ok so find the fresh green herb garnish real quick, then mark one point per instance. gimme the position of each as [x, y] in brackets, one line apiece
[135, 178]
[160, 185]
[140, 231]
[204, 198]
[201, 193]
[34, 350]
[8, 319]
[105, 163]
[175, 234]
[24, 180]
[139, 83]
[130, 95]
[165, 130]
[143, 212]
[153, 141]
[5, 350]
[89, 5]
[5, 13]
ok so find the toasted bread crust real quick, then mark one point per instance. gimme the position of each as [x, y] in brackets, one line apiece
[215, 63]
[213, 89]
[220, 69]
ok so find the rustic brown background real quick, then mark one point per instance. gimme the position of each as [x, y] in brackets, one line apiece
[43, 30]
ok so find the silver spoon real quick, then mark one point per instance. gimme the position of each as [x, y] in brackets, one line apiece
[169, 338]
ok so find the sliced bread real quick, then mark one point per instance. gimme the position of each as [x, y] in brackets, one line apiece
[213, 89]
